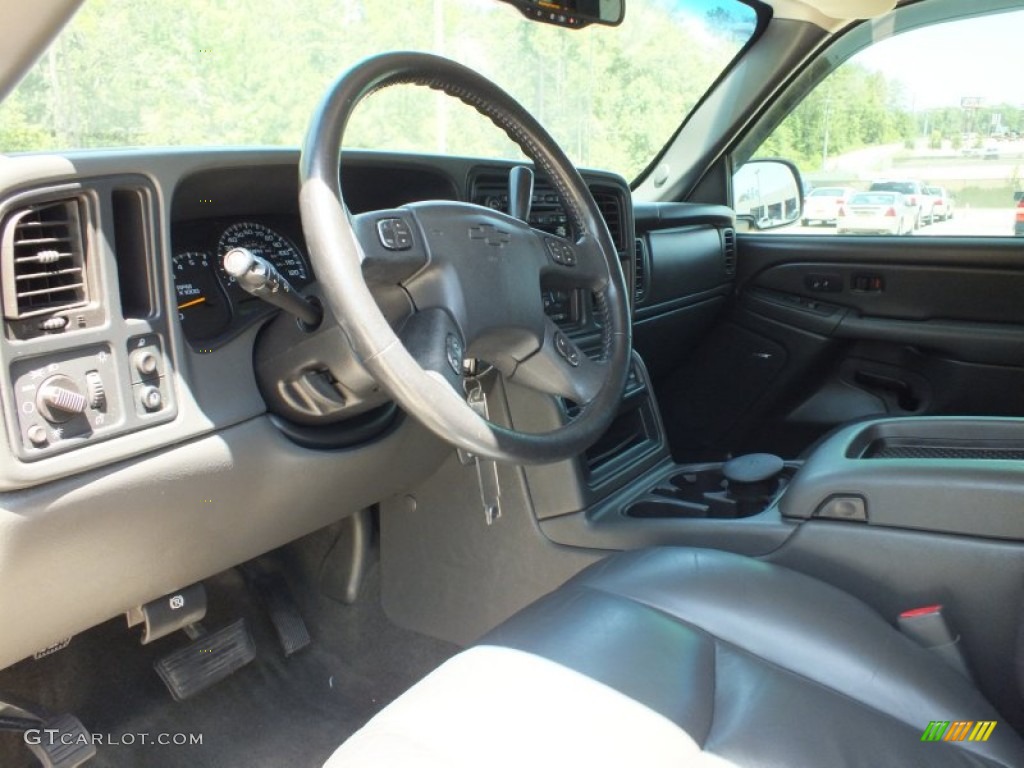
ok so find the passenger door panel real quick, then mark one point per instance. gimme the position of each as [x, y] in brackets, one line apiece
[829, 330]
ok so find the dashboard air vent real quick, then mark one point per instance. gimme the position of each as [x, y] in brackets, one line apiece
[729, 249]
[43, 256]
[640, 271]
[610, 205]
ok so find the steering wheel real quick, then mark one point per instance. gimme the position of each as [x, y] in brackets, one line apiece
[471, 275]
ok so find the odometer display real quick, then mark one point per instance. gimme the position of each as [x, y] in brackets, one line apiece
[263, 241]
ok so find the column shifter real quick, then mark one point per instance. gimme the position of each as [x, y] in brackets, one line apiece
[259, 277]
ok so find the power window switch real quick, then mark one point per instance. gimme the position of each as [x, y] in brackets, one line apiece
[868, 283]
[824, 283]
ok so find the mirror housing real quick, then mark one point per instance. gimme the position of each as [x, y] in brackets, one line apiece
[574, 14]
[767, 194]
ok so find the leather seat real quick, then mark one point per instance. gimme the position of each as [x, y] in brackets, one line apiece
[682, 656]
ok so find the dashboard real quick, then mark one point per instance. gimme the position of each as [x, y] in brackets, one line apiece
[137, 434]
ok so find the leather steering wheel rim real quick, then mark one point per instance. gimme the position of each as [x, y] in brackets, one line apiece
[337, 256]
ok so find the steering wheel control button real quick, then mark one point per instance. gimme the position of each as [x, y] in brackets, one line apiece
[60, 400]
[453, 351]
[567, 349]
[151, 399]
[560, 253]
[395, 234]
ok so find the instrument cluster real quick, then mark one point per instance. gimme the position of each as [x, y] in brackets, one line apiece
[211, 306]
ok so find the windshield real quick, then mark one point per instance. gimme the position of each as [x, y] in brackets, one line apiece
[210, 72]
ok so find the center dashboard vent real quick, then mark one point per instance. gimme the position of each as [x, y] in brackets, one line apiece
[42, 252]
[610, 205]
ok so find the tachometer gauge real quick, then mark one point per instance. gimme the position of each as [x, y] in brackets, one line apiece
[265, 242]
[202, 307]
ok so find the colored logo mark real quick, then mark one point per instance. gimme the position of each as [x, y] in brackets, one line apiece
[958, 730]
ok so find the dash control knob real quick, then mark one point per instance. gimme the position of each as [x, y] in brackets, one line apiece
[151, 399]
[37, 436]
[59, 399]
[95, 391]
[145, 362]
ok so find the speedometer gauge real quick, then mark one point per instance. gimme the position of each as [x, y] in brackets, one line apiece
[263, 241]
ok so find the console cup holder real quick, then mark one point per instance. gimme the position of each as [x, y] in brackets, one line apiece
[664, 508]
[702, 491]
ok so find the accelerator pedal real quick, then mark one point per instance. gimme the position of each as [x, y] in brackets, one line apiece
[206, 661]
[273, 592]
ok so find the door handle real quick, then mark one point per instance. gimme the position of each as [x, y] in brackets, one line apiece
[906, 398]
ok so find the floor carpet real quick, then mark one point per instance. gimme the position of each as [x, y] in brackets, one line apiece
[274, 712]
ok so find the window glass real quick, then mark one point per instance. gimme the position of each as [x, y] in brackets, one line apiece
[212, 72]
[935, 115]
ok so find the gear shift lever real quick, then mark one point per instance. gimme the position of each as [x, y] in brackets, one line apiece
[753, 478]
[520, 192]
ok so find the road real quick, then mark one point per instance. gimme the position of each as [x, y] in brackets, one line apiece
[976, 222]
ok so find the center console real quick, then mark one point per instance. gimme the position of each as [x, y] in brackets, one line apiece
[948, 475]
[942, 475]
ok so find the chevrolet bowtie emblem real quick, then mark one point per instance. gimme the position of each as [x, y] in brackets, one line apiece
[490, 234]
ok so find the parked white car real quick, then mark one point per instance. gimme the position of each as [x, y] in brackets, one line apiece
[943, 203]
[915, 194]
[823, 204]
[877, 213]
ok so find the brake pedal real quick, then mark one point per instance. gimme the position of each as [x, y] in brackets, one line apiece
[57, 741]
[280, 604]
[63, 742]
[207, 661]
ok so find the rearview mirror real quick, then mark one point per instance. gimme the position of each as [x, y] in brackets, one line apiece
[767, 193]
[572, 13]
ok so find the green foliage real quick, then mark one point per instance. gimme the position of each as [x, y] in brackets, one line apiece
[149, 72]
[978, 123]
[853, 108]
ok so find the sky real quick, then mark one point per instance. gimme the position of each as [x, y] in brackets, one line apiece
[941, 64]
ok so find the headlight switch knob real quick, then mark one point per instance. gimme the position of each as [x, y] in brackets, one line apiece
[59, 399]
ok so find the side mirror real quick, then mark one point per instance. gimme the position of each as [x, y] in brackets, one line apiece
[767, 193]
